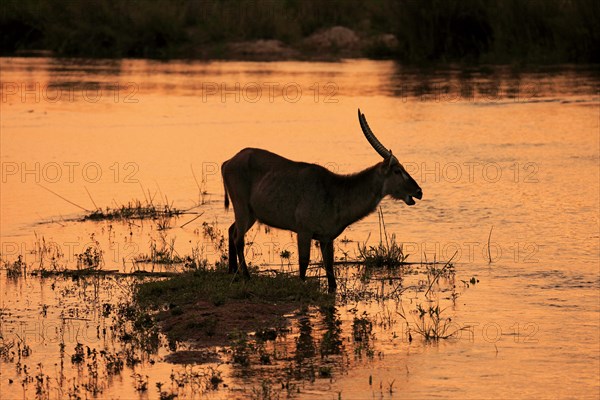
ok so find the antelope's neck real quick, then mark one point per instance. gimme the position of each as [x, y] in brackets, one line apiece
[363, 192]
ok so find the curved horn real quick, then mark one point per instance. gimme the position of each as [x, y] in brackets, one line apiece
[383, 152]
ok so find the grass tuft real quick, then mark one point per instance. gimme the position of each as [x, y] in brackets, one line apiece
[16, 268]
[386, 254]
[431, 324]
[136, 210]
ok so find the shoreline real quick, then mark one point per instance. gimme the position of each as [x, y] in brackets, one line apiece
[330, 45]
[311, 58]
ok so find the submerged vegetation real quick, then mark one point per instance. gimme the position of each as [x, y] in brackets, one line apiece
[497, 31]
[273, 330]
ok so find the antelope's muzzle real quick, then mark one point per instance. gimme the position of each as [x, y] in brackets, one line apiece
[408, 199]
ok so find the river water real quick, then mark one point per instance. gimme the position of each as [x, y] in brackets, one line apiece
[494, 149]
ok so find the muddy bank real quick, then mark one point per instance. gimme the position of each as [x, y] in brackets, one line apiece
[203, 324]
[211, 308]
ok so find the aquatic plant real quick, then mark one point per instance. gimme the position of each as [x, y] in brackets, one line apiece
[6, 352]
[48, 253]
[16, 268]
[285, 255]
[386, 254]
[160, 253]
[211, 231]
[434, 273]
[137, 209]
[431, 324]
[91, 259]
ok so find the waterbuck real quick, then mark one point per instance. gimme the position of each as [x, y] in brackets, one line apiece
[307, 198]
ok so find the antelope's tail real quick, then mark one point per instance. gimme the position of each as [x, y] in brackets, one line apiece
[225, 185]
[226, 197]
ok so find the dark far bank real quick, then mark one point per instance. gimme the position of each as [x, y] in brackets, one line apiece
[427, 32]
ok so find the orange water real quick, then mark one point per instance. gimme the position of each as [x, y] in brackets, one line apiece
[493, 147]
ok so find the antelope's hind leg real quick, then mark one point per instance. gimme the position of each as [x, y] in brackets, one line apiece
[243, 225]
[327, 251]
[304, 240]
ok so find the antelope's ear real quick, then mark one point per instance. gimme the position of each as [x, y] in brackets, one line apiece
[389, 163]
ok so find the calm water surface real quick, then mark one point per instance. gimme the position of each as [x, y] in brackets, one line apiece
[491, 147]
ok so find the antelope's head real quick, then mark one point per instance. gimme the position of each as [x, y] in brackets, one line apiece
[398, 183]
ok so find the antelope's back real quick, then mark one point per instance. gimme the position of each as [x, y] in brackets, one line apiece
[275, 187]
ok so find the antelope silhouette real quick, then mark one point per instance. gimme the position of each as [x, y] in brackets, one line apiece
[307, 199]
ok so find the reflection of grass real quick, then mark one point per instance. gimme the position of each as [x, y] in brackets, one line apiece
[332, 342]
[362, 329]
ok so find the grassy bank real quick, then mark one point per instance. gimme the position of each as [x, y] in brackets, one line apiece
[427, 31]
[220, 287]
[208, 306]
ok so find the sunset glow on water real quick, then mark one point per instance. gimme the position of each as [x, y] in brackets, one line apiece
[494, 149]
